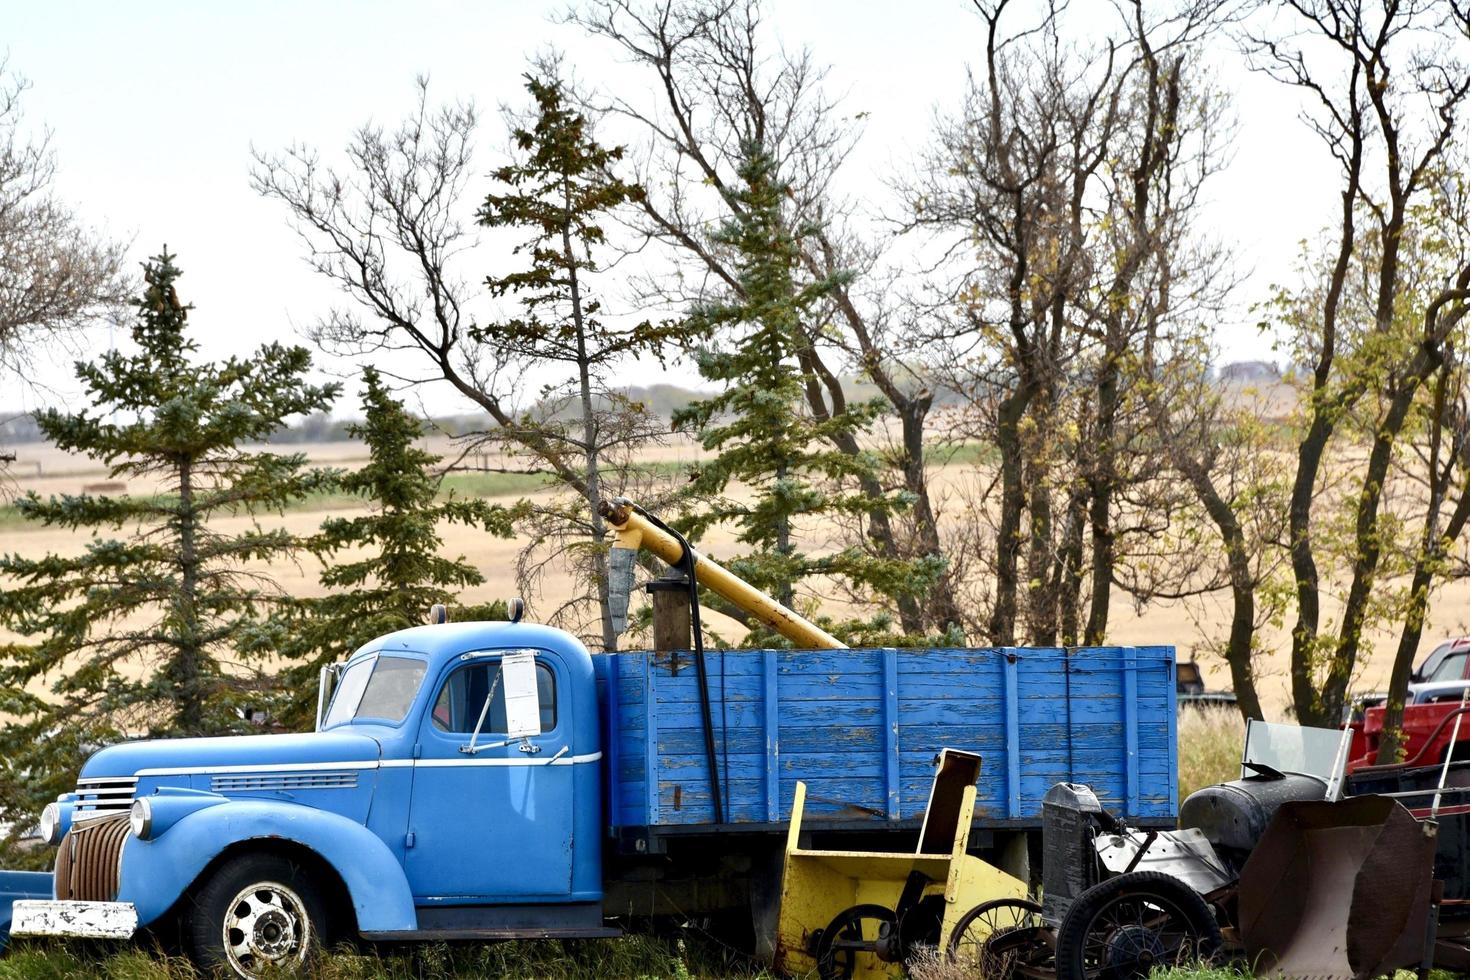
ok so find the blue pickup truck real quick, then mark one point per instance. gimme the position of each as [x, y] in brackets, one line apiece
[495, 780]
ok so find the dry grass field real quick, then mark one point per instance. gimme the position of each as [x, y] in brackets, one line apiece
[48, 471]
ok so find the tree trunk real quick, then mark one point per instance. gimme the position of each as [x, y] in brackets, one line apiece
[1240, 645]
[1067, 577]
[1012, 504]
[187, 670]
[1101, 482]
[943, 611]
[1390, 745]
[1368, 551]
[592, 485]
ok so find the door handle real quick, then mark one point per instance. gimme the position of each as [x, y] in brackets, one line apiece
[530, 748]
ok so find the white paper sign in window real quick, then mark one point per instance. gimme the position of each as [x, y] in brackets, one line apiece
[522, 706]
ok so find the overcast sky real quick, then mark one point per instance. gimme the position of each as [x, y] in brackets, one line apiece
[155, 106]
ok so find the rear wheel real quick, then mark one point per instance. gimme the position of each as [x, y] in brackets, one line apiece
[970, 945]
[859, 936]
[256, 913]
[1127, 926]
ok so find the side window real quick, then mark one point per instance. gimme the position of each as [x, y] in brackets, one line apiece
[460, 700]
[1451, 668]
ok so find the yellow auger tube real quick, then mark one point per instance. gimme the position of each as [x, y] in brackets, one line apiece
[633, 531]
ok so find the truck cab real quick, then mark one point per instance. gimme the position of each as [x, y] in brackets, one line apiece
[1434, 694]
[451, 790]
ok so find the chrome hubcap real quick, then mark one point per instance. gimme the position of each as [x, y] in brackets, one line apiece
[265, 925]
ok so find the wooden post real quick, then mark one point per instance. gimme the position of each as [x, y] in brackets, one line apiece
[671, 625]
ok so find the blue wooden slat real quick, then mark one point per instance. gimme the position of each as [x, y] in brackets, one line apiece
[650, 745]
[1013, 738]
[1173, 715]
[890, 732]
[773, 737]
[612, 745]
[1130, 725]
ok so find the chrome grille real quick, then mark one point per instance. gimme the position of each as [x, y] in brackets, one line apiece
[98, 795]
[244, 782]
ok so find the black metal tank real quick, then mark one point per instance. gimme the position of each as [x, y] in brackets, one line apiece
[1234, 815]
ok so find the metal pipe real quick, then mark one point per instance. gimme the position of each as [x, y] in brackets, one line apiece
[633, 530]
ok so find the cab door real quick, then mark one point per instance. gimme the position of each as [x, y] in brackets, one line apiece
[493, 824]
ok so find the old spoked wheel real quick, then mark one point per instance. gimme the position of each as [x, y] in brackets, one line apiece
[861, 934]
[1125, 927]
[994, 937]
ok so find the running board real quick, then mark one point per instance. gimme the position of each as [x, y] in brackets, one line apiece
[447, 935]
[568, 920]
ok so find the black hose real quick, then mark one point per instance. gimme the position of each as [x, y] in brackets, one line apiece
[686, 565]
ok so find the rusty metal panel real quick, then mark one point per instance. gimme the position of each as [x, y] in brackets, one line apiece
[1338, 890]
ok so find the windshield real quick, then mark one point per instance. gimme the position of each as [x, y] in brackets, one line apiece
[380, 688]
[1319, 752]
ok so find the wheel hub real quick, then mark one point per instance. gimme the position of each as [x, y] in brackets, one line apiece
[1134, 947]
[273, 934]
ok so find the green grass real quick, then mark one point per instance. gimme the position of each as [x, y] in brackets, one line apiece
[1197, 973]
[630, 958]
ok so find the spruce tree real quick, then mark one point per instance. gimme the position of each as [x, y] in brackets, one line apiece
[757, 426]
[139, 633]
[584, 428]
[394, 572]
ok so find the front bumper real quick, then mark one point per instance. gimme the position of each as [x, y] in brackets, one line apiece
[86, 920]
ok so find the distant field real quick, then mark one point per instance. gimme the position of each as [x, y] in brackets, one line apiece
[959, 469]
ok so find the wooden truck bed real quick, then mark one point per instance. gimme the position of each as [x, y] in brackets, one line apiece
[861, 728]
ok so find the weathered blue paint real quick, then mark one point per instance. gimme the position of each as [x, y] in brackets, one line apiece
[893, 805]
[155, 872]
[1013, 737]
[1130, 724]
[16, 885]
[772, 700]
[1038, 716]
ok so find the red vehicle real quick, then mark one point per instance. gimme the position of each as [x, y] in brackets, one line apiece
[1436, 691]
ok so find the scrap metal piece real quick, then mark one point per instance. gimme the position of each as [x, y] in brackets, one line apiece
[1338, 890]
[619, 586]
[1071, 818]
[1184, 854]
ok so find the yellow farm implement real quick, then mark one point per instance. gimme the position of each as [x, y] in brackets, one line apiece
[862, 913]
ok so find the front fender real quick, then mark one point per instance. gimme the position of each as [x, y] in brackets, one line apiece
[156, 872]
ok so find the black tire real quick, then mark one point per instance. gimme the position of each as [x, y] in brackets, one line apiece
[1124, 927]
[852, 933]
[971, 936]
[256, 913]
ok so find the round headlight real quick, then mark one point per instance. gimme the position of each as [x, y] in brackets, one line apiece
[51, 824]
[140, 819]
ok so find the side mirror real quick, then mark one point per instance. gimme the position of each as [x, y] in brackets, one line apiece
[326, 684]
